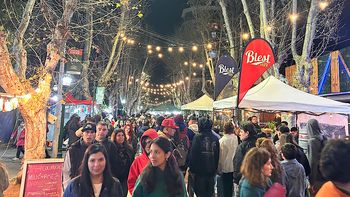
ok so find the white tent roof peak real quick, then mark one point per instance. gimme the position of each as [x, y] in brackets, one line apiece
[204, 103]
[274, 95]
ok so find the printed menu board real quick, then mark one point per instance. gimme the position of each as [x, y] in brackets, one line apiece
[42, 178]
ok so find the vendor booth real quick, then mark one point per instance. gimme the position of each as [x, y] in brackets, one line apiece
[204, 103]
[274, 95]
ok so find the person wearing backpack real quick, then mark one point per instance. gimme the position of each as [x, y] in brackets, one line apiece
[204, 159]
[316, 142]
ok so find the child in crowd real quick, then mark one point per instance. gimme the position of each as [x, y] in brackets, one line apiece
[295, 181]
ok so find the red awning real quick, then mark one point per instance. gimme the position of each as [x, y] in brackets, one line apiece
[71, 100]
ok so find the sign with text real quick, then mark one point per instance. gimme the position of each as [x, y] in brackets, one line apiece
[225, 69]
[75, 61]
[258, 56]
[42, 177]
[100, 93]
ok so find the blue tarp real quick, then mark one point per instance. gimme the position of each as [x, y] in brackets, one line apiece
[7, 122]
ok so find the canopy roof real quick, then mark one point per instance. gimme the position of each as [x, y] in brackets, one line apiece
[204, 103]
[274, 95]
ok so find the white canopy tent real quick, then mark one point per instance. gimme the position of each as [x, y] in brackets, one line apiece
[204, 103]
[274, 95]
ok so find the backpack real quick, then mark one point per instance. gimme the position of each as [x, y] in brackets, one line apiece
[207, 155]
[180, 151]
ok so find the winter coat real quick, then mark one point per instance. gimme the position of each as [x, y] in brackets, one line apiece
[140, 161]
[248, 190]
[204, 163]
[302, 159]
[124, 160]
[73, 189]
[316, 142]
[228, 146]
[4, 179]
[21, 138]
[160, 189]
[241, 151]
[295, 181]
[112, 152]
[329, 189]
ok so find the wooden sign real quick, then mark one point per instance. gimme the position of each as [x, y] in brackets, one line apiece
[42, 177]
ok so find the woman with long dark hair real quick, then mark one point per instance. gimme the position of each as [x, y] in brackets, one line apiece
[125, 157]
[162, 176]
[131, 138]
[95, 179]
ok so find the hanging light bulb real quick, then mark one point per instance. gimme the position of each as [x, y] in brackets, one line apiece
[170, 49]
[181, 49]
[194, 48]
[209, 46]
[158, 48]
[160, 55]
[194, 74]
[149, 46]
[186, 63]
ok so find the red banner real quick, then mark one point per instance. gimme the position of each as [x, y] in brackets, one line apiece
[258, 56]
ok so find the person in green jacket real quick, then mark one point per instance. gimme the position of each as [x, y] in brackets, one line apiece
[256, 170]
[162, 176]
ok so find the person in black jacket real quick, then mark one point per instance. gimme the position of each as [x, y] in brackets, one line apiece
[101, 137]
[75, 153]
[248, 137]
[204, 159]
[95, 178]
[125, 157]
[300, 157]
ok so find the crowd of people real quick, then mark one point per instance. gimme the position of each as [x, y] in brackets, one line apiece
[176, 156]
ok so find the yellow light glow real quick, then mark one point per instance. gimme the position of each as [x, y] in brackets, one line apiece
[245, 36]
[200, 65]
[170, 49]
[194, 74]
[209, 46]
[124, 38]
[293, 17]
[160, 55]
[187, 78]
[194, 48]
[150, 51]
[149, 46]
[181, 49]
[27, 96]
[146, 84]
[122, 35]
[323, 5]
[158, 48]
[269, 28]
[194, 64]
[185, 63]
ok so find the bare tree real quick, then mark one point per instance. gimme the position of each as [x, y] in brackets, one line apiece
[33, 99]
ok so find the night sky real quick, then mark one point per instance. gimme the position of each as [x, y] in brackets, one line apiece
[164, 16]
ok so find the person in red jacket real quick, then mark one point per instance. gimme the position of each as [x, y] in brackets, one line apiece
[142, 160]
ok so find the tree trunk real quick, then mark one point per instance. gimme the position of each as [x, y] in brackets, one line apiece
[87, 52]
[18, 49]
[227, 26]
[249, 19]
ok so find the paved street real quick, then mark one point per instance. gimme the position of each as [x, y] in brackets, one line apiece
[6, 155]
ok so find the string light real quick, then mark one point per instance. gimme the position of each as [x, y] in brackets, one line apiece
[323, 5]
[195, 48]
[293, 17]
[187, 78]
[194, 74]
[158, 48]
[209, 46]
[181, 49]
[269, 28]
[149, 46]
[194, 64]
[245, 36]
[160, 55]
[186, 63]
[200, 65]
[150, 51]
[170, 49]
